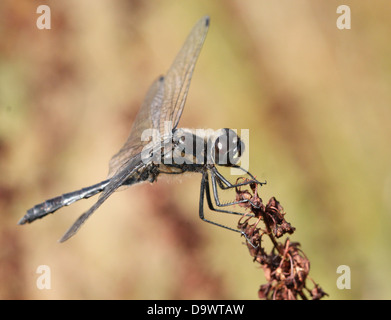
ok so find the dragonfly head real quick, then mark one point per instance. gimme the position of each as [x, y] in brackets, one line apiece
[227, 148]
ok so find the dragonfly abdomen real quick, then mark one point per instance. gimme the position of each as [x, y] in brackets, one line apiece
[52, 205]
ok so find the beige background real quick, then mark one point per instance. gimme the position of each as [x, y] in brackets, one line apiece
[316, 100]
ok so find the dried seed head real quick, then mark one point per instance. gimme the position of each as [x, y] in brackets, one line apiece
[286, 267]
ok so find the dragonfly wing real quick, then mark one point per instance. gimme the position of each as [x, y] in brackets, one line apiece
[117, 181]
[165, 99]
[147, 118]
[178, 77]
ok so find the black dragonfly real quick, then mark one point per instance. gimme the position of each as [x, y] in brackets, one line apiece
[169, 150]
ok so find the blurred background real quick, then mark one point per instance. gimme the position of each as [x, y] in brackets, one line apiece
[316, 101]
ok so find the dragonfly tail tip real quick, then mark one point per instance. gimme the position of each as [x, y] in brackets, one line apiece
[207, 20]
[22, 221]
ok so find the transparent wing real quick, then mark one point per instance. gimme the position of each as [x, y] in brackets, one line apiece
[166, 97]
[132, 166]
[164, 102]
[148, 117]
[178, 77]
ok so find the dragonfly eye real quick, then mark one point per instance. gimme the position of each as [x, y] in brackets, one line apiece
[228, 148]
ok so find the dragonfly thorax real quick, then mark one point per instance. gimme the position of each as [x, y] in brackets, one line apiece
[203, 147]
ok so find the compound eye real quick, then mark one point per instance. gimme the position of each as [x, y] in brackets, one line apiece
[239, 149]
[221, 147]
[228, 148]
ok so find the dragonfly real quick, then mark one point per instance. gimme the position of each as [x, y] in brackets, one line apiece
[167, 150]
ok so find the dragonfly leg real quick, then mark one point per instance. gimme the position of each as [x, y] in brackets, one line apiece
[210, 203]
[204, 187]
[225, 184]
[216, 176]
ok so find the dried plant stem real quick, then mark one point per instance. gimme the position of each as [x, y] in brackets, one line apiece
[286, 267]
